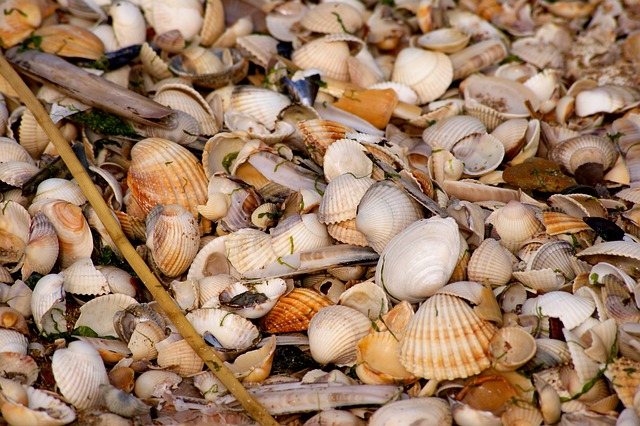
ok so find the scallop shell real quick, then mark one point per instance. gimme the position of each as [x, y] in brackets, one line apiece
[299, 233]
[213, 22]
[173, 235]
[543, 280]
[419, 261]
[332, 17]
[180, 358]
[325, 54]
[94, 313]
[623, 254]
[81, 277]
[320, 134]
[341, 198]
[153, 63]
[163, 172]
[17, 173]
[490, 264]
[346, 156]
[445, 339]
[333, 334]
[231, 330]
[79, 372]
[515, 223]
[428, 73]
[60, 189]
[294, 311]
[271, 289]
[555, 255]
[12, 151]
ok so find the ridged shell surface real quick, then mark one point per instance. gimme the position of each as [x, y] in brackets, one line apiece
[294, 311]
[428, 73]
[326, 55]
[490, 264]
[419, 261]
[79, 372]
[515, 223]
[231, 330]
[332, 17]
[445, 340]
[298, 233]
[341, 198]
[163, 172]
[74, 235]
[428, 411]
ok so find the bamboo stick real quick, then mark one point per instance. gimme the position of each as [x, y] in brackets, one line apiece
[211, 359]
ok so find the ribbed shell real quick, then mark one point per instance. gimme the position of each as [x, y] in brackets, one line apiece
[477, 57]
[294, 311]
[445, 340]
[432, 411]
[180, 357]
[347, 233]
[480, 153]
[490, 264]
[13, 341]
[79, 372]
[428, 73]
[231, 330]
[249, 249]
[329, 56]
[320, 134]
[185, 98]
[557, 223]
[262, 104]
[163, 172]
[505, 96]
[515, 223]
[82, 277]
[447, 132]
[298, 233]
[332, 17]
[47, 292]
[173, 237]
[572, 310]
[341, 198]
[98, 313]
[334, 332]
[574, 152]
[10, 150]
[346, 156]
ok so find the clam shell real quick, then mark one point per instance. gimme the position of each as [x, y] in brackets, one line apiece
[17, 173]
[271, 289]
[47, 292]
[210, 68]
[98, 313]
[332, 17]
[259, 48]
[209, 288]
[123, 403]
[505, 96]
[480, 154]
[299, 233]
[445, 40]
[445, 339]
[231, 330]
[543, 280]
[180, 358]
[153, 63]
[249, 249]
[319, 134]
[60, 189]
[13, 341]
[367, 298]
[79, 372]
[325, 54]
[82, 277]
[511, 348]
[549, 353]
[211, 260]
[428, 73]
[620, 253]
[164, 16]
[294, 311]
[333, 334]
[17, 26]
[571, 309]
[447, 132]
[346, 156]
[144, 338]
[163, 172]
[111, 351]
[557, 223]
[341, 198]
[42, 409]
[607, 98]
[477, 57]
[574, 152]
[19, 368]
[129, 25]
[69, 41]
[490, 264]
[335, 417]
[418, 261]
[262, 104]
[10, 150]
[515, 223]
[555, 255]
[255, 366]
[429, 410]
[173, 235]
[347, 233]
[213, 22]
[154, 383]
[383, 212]
[377, 360]
[185, 98]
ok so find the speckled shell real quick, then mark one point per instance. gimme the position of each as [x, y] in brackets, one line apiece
[294, 311]
[79, 372]
[445, 340]
[333, 334]
[163, 172]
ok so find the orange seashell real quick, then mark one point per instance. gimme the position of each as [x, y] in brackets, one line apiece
[69, 41]
[294, 311]
[375, 106]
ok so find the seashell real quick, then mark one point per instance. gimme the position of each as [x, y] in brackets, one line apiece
[447, 132]
[153, 63]
[165, 16]
[251, 299]
[259, 48]
[571, 309]
[163, 172]
[94, 312]
[490, 264]
[522, 414]
[377, 360]
[459, 349]
[333, 334]
[628, 340]
[16, 173]
[515, 223]
[180, 358]
[79, 372]
[173, 236]
[294, 311]
[623, 375]
[46, 294]
[111, 351]
[239, 122]
[347, 233]
[221, 151]
[182, 97]
[336, 205]
[13, 341]
[608, 98]
[577, 153]
[419, 261]
[255, 366]
[119, 281]
[42, 249]
[19, 368]
[154, 383]
[12, 151]
[81, 277]
[543, 280]
[480, 154]
[60, 189]
[210, 68]
[262, 104]
[211, 260]
[299, 233]
[511, 348]
[230, 330]
[69, 41]
[332, 17]
[122, 403]
[429, 410]
[41, 408]
[249, 249]
[623, 254]
[334, 417]
[129, 25]
[213, 22]
[477, 57]
[373, 105]
[319, 134]
[505, 96]
[555, 255]
[13, 320]
[445, 40]
[143, 340]
[537, 52]
[16, 27]
[436, 72]
[367, 298]
[346, 156]
[14, 230]
[557, 223]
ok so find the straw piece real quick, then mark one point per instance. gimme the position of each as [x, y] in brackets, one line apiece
[156, 289]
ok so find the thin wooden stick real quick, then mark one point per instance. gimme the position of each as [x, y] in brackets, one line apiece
[211, 359]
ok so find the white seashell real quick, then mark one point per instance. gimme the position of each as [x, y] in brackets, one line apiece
[419, 261]
[249, 249]
[119, 281]
[447, 132]
[154, 383]
[209, 385]
[144, 338]
[98, 313]
[42, 249]
[179, 357]
[608, 98]
[333, 334]
[272, 289]
[122, 403]
[79, 372]
[480, 154]
[515, 223]
[166, 15]
[477, 57]
[211, 260]
[299, 233]
[434, 411]
[82, 277]
[334, 417]
[490, 264]
[231, 330]
[129, 25]
[46, 294]
[367, 298]
[341, 198]
[13, 341]
[505, 96]
[74, 235]
[571, 309]
[346, 156]
[211, 287]
[41, 408]
[446, 40]
[428, 73]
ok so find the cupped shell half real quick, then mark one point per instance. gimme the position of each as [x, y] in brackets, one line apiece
[294, 311]
[231, 330]
[428, 73]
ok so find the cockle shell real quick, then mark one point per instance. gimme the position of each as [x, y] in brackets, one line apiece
[418, 261]
[332, 17]
[19, 19]
[167, 15]
[445, 339]
[69, 41]
[367, 298]
[173, 236]
[154, 383]
[433, 411]
[505, 96]
[333, 334]
[231, 330]
[515, 223]
[122, 403]
[428, 73]
[82, 277]
[249, 249]
[163, 172]
[144, 338]
[346, 156]
[46, 294]
[511, 348]
[447, 132]
[445, 40]
[299, 233]
[377, 360]
[13, 341]
[477, 57]
[572, 310]
[294, 311]
[129, 25]
[39, 408]
[183, 97]
[79, 372]
[573, 153]
[179, 357]
[255, 366]
[14, 231]
[490, 264]
[94, 313]
[326, 54]
[320, 134]
[341, 198]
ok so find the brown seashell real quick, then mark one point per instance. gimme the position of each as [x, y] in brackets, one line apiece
[488, 393]
[294, 311]
[74, 235]
[163, 172]
[69, 41]
[624, 375]
[319, 134]
[375, 106]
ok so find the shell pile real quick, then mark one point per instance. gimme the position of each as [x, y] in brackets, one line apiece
[394, 212]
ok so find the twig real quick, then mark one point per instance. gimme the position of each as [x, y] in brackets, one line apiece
[185, 328]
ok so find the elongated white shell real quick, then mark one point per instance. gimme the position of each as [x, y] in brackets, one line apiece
[419, 260]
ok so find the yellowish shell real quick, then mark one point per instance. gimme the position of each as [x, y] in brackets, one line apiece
[69, 41]
[180, 357]
[294, 311]
[324, 54]
[428, 73]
